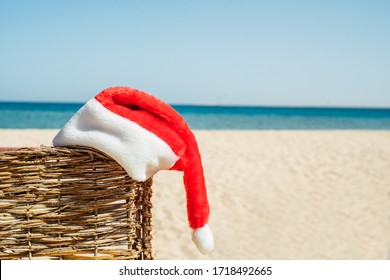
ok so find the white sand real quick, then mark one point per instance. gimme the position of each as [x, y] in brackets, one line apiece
[276, 194]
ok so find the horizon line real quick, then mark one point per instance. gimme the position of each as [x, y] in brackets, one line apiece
[220, 105]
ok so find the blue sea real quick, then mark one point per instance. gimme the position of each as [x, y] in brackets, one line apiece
[55, 115]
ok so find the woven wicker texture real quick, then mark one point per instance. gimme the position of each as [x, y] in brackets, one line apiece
[71, 203]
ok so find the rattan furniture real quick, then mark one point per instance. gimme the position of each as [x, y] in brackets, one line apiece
[71, 203]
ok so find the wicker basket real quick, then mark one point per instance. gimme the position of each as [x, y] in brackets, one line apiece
[71, 203]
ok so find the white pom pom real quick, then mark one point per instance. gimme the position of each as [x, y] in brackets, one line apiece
[203, 239]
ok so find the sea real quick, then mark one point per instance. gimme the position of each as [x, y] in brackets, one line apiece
[55, 115]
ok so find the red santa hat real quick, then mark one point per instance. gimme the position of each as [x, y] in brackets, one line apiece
[144, 135]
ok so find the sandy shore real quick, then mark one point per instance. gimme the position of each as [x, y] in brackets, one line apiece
[276, 194]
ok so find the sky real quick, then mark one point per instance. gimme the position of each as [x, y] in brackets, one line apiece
[262, 53]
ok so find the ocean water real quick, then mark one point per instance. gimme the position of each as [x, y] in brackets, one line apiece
[55, 115]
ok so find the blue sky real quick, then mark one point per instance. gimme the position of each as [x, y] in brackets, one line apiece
[294, 53]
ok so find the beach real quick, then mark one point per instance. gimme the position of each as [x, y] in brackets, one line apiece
[302, 194]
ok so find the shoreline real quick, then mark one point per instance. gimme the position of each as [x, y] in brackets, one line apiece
[280, 194]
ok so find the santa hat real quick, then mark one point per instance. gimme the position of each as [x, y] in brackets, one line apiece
[144, 135]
